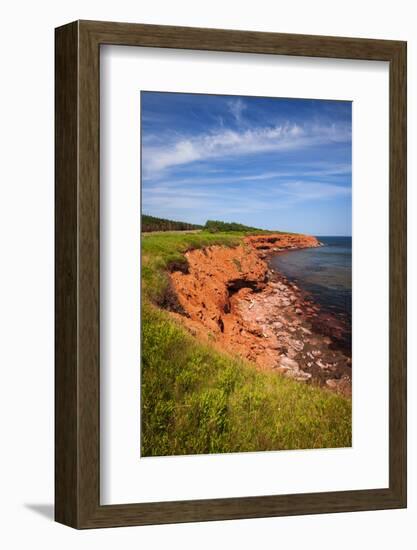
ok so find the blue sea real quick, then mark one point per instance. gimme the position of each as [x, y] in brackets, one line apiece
[325, 273]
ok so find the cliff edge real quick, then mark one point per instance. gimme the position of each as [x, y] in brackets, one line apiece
[231, 297]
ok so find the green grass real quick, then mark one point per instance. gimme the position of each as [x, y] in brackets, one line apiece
[197, 400]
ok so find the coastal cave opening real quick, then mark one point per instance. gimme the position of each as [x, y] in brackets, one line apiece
[236, 284]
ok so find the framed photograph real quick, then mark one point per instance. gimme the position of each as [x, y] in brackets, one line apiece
[230, 274]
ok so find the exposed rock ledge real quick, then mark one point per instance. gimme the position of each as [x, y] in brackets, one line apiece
[267, 244]
[231, 297]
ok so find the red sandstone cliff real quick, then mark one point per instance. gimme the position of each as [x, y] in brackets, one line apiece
[265, 244]
[229, 295]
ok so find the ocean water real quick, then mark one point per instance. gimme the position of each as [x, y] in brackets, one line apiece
[325, 273]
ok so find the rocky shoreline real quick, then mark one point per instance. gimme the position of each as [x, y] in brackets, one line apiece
[233, 298]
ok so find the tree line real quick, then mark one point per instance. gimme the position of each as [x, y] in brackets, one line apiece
[151, 223]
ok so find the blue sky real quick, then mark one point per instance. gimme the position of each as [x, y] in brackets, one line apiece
[272, 163]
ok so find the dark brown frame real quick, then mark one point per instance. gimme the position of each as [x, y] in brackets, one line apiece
[77, 374]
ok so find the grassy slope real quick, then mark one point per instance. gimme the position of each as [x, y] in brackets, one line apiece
[196, 400]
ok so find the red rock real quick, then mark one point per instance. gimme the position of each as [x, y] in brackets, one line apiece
[284, 241]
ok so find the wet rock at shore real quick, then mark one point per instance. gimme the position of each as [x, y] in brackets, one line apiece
[290, 368]
[287, 363]
[341, 385]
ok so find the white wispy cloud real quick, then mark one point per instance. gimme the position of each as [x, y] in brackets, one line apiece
[310, 190]
[321, 171]
[236, 107]
[228, 143]
[164, 199]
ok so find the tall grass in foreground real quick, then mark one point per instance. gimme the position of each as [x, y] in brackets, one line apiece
[196, 400]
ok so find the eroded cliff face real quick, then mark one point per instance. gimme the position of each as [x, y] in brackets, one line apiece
[230, 296]
[266, 244]
[214, 275]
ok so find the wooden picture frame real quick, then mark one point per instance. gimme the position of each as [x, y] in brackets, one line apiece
[77, 405]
